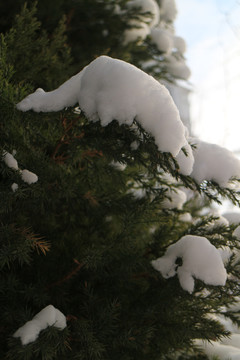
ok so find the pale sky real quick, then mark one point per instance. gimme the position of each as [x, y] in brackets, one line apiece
[211, 29]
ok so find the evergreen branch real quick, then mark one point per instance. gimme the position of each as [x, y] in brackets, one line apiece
[65, 139]
[68, 276]
[37, 241]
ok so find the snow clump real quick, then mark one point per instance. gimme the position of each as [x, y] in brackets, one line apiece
[200, 260]
[233, 217]
[14, 187]
[29, 177]
[140, 29]
[147, 6]
[163, 39]
[111, 89]
[9, 160]
[177, 67]
[213, 162]
[179, 44]
[220, 350]
[175, 199]
[168, 10]
[49, 316]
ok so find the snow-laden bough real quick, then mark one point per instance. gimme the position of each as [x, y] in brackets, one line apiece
[200, 260]
[26, 175]
[214, 162]
[110, 89]
[49, 316]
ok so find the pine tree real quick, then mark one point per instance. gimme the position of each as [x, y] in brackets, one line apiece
[80, 231]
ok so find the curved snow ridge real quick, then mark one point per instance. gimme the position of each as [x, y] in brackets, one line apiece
[49, 316]
[201, 260]
[111, 89]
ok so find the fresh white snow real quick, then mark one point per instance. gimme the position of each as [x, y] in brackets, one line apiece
[168, 10]
[179, 44]
[163, 39]
[29, 177]
[138, 31]
[49, 316]
[177, 67]
[201, 260]
[213, 162]
[224, 352]
[185, 163]
[109, 89]
[175, 199]
[233, 217]
[147, 6]
[9, 160]
[14, 187]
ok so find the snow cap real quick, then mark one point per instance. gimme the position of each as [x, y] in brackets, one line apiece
[9, 160]
[112, 89]
[175, 199]
[213, 162]
[147, 6]
[29, 177]
[200, 260]
[139, 31]
[179, 44]
[168, 10]
[163, 39]
[49, 316]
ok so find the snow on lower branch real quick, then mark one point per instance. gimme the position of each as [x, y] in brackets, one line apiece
[27, 176]
[200, 260]
[111, 89]
[49, 316]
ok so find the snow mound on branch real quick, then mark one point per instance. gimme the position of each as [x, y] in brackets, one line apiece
[110, 89]
[223, 351]
[200, 260]
[168, 10]
[49, 316]
[139, 30]
[29, 177]
[185, 163]
[9, 160]
[147, 6]
[213, 162]
[177, 67]
[163, 39]
[233, 217]
[179, 44]
[14, 187]
[175, 199]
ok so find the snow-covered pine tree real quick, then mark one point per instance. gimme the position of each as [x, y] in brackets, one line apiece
[100, 220]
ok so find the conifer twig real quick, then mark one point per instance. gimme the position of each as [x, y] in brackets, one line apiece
[67, 276]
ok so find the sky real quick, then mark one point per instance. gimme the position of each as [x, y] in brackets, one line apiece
[211, 29]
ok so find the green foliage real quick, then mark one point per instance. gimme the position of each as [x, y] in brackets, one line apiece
[93, 28]
[38, 58]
